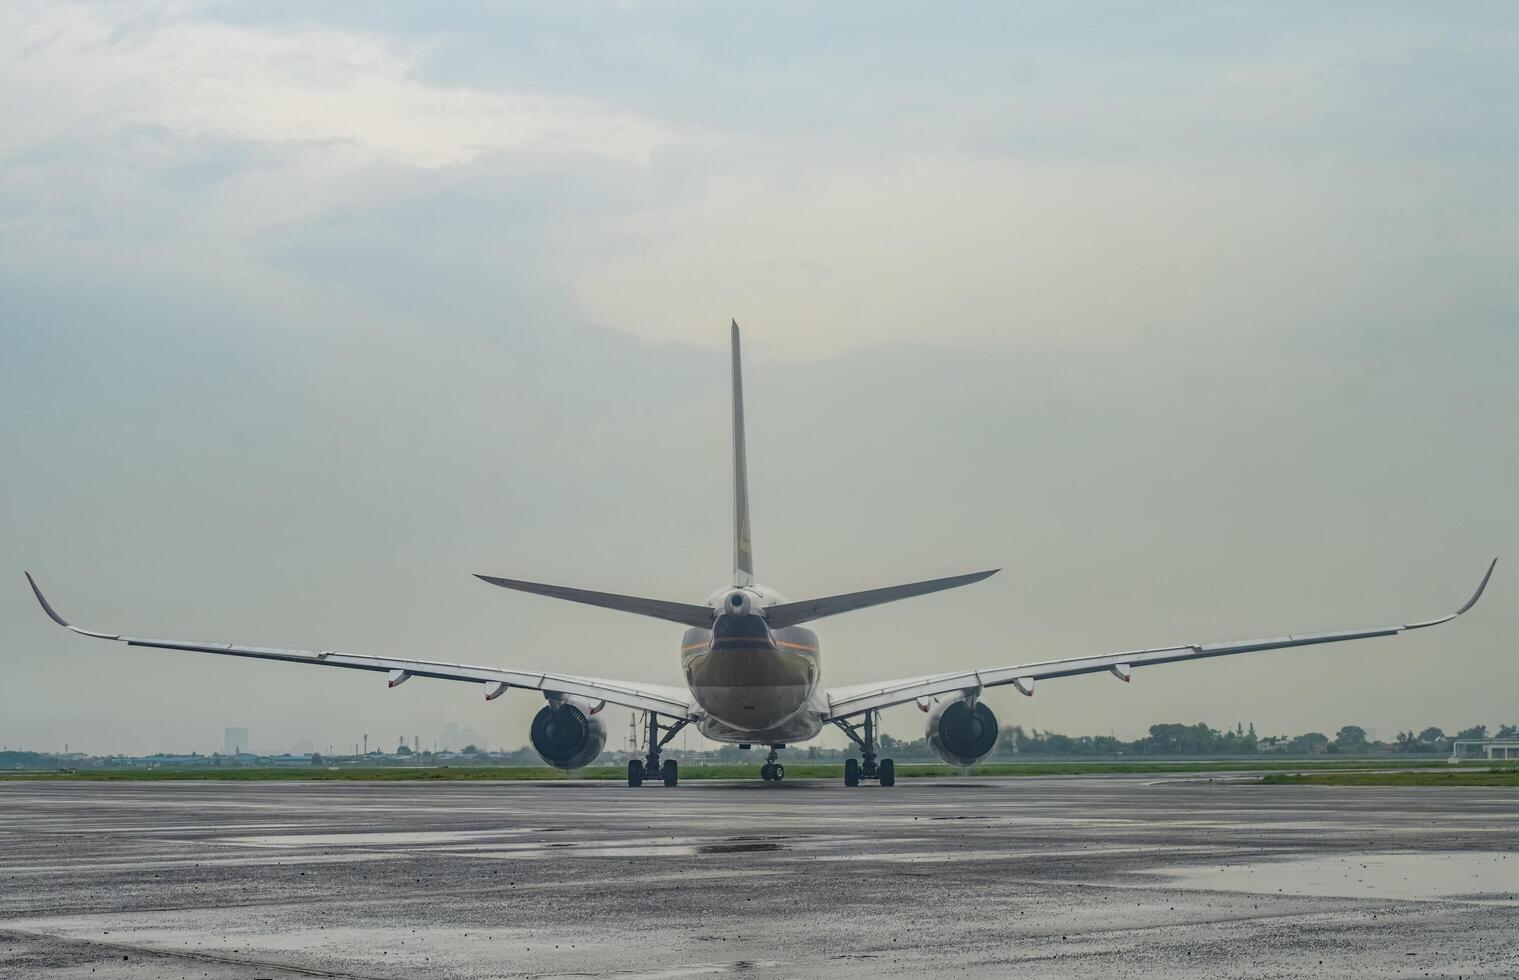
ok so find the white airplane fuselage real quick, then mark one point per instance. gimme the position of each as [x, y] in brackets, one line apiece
[755, 684]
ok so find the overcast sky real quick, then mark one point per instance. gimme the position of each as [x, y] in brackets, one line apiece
[1199, 321]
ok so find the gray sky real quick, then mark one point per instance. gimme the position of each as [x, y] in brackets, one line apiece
[1200, 321]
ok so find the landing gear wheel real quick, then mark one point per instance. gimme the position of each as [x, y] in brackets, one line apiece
[866, 766]
[772, 771]
[649, 766]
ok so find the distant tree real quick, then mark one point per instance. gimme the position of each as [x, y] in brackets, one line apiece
[1432, 736]
[1508, 731]
[1107, 745]
[1057, 744]
[1308, 743]
[470, 749]
[403, 749]
[1351, 738]
[1476, 731]
[1176, 739]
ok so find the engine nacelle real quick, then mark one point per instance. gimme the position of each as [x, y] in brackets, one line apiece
[568, 735]
[962, 735]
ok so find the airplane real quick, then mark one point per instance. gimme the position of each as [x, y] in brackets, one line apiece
[753, 670]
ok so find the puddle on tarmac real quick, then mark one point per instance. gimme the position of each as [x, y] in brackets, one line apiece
[737, 848]
[363, 839]
[1489, 877]
[689, 970]
[984, 854]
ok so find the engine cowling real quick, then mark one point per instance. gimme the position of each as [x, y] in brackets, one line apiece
[568, 735]
[962, 735]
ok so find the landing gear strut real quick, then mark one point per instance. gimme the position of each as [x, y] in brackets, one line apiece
[864, 735]
[772, 771]
[650, 768]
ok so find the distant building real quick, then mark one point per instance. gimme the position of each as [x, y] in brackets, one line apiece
[235, 741]
[1493, 748]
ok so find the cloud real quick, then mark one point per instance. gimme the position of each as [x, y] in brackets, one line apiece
[974, 250]
[72, 67]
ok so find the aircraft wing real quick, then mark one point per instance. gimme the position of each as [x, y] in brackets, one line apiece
[664, 700]
[847, 701]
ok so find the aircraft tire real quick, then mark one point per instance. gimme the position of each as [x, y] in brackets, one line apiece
[888, 773]
[671, 772]
[851, 772]
[635, 772]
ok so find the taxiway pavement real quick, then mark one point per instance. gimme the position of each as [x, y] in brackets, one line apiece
[1028, 877]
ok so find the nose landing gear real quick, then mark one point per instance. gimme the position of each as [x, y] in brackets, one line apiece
[866, 767]
[772, 771]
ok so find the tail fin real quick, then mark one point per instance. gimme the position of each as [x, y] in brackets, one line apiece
[743, 555]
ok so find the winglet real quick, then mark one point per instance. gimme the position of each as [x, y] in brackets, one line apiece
[1481, 587]
[46, 606]
[52, 613]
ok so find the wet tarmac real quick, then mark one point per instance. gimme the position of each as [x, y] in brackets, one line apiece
[1032, 878]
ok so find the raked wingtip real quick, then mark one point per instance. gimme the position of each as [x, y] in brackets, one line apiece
[47, 607]
[1481, 587]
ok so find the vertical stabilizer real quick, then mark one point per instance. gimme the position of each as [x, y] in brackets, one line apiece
[743, 556]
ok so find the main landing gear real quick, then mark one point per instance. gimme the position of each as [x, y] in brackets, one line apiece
[772, 771]
[650, 767]
[866, 767]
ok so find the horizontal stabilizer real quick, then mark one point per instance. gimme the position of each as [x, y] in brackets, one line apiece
[792, 613]
[686, 613]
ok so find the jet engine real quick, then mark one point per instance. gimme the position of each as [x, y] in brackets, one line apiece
[568, 734]
[960, 734]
